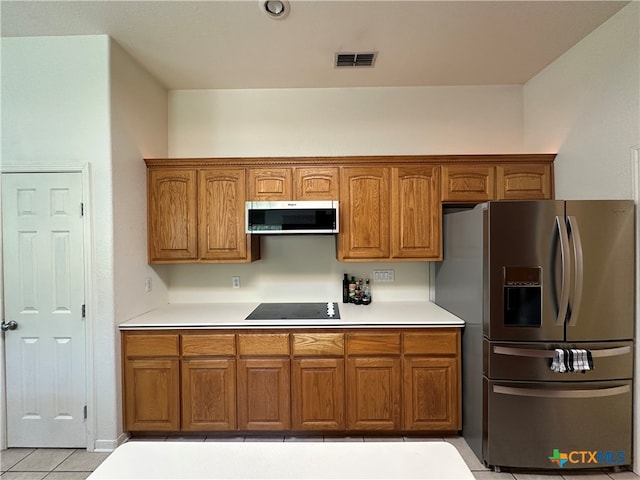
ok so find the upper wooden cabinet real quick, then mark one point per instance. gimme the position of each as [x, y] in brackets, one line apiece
[472, 183]
[389, 213]
[528, 181]
[172, 215]
[197, 215]
[468, 183]
[295, 183]
[416, 219]
[316, 183]
[390, 206]
[270, 184]
[365, 199]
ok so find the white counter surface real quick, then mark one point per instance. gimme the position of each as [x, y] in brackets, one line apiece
[232, 315]
[284, 460]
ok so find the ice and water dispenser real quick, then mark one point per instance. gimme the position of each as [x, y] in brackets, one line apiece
[522, 296]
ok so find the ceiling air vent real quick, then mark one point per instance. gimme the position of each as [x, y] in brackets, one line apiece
[364, 59]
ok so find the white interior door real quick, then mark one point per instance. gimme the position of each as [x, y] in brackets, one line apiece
[44, 295]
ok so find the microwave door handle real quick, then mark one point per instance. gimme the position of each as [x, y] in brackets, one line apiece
[563, 305]
[579, 282]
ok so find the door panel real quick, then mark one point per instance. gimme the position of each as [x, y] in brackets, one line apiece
[524, 255]
[44, 294]
[602, 300]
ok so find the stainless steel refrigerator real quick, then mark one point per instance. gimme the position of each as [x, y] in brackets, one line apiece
[533, 279]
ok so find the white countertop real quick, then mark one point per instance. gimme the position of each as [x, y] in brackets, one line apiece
[232, 315]
[284, 460]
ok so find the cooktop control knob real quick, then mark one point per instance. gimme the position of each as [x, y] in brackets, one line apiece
[330, 309]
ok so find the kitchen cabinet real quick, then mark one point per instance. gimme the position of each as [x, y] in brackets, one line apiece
[172, 215]
[197, 215]
[416, 217]
[431, 380]
[524, 182]
[468, 183]
[390, 213]
[373, 381]
[151, 382]
[502, 181]
[365, 199]
[317, 384]
[313, 380]
[270, 184]
[264, 373]
[208, 370]
[293, 183]
[221, 217]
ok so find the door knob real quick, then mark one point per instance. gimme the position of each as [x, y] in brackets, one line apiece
[12, 325]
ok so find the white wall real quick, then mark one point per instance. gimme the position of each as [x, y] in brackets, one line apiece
[336, 121]
[585, 106]
[55, 112]
[138, 130]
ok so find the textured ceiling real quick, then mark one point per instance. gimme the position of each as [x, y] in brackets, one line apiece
[234, 44]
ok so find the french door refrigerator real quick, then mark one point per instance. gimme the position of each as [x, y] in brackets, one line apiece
[530, 277]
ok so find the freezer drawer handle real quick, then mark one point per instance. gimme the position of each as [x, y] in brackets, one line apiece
[542, 392]
[530, 352]
[563, 305]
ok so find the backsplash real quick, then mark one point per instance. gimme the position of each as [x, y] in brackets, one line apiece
[292, 268]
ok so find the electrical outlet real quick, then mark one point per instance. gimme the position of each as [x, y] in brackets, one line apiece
[235, 282]
[147, 284]
[384, 276]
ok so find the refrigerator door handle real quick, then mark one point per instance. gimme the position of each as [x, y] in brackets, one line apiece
[568, 393]
[563, 305]
[579, 281]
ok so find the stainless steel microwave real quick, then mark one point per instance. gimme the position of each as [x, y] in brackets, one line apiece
[286, 217]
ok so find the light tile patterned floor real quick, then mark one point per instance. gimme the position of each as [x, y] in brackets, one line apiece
[75, 464]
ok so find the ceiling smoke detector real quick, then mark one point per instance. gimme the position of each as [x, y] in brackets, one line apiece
[278, 9]
[362, 59]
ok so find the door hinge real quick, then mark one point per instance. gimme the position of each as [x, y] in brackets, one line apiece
[84, 311]
[82, 209]
[85, 412]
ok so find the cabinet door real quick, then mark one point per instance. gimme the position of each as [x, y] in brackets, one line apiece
[172, 210]
[264, 394]
[318, 394]
[221, 216]
[270, 184]
[468, 183]
[316, 183]
[431, 395]
[415, 213]
[208, 394]
[523, 182]
[364, 213]
[373, 393]
[152, 395]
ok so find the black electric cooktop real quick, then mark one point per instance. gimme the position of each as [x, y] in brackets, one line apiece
[294, 311]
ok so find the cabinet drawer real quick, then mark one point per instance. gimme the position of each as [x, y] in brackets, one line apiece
[437, 342]
[152, 345]
[263, 344]
[373, 343]
[216, 344]
[318, 344]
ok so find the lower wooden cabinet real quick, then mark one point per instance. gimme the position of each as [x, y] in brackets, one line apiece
[152, 395]
[318, 394]
[208, 394]
[360, 380]
[264, 394]
[373, 393]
